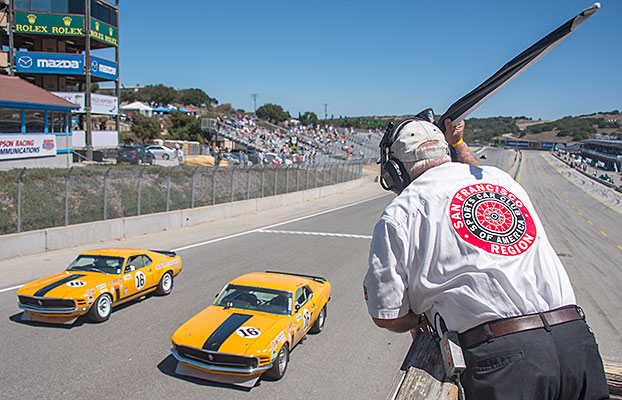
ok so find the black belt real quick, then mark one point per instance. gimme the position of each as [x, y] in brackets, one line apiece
[493, 329]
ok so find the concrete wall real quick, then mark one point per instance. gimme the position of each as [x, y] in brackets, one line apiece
[33, 242]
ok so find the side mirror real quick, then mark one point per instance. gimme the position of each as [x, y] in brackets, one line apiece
[297, 307]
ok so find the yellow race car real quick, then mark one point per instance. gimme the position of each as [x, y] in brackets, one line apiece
[252, 326]
[95, 282]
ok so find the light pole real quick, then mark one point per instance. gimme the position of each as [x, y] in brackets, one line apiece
[325, 111]
[254, 97]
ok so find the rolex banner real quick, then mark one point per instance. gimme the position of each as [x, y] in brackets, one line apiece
[104, 32]
[49, 24]
[463, 107]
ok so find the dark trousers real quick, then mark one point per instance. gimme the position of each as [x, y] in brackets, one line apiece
[563, 363]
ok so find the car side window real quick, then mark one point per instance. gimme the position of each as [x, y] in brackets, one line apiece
[135, 262]
[308, 292]
[300, 297]
[146, 260]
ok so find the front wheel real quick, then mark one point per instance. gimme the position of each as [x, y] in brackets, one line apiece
[165, 156]
[101, 309]
[318, 325]
[280, 364]
[166, 284]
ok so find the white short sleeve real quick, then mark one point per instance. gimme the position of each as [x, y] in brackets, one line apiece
[385, 284]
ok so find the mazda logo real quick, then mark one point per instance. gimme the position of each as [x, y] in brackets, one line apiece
[94, 65]
[25, 62]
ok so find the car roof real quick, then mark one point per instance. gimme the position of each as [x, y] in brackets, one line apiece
[271, 280]
[116, 252]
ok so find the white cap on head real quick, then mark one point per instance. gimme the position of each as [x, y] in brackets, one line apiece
[412, 135]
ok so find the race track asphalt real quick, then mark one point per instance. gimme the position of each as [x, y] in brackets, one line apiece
[129, 355]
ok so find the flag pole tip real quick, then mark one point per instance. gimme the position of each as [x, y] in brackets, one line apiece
[597, 5]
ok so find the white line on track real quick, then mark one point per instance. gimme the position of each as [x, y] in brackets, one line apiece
[265, 229]
[278, 224]
[345, 235]
[11, 288]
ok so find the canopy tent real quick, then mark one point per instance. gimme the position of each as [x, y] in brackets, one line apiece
[164, 109]
[138, 106]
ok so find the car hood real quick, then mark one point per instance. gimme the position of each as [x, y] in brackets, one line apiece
[69, 284]
[231, 331]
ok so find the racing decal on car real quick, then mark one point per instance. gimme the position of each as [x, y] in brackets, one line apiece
[168, 263]
[127, 277]
[226, 329]
[306, 315]
[89, 300]
[248, 332]
[114, 282]
[140, 279]
[493, 219]
[43, 291]
[76, 283]
[101, 286]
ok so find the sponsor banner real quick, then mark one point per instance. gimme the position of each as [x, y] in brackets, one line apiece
[100, 139]
[546, 145]
[103, 68]
[49, 24]
[27, 146]
[100, 103]
[104, 32]
[50, 63]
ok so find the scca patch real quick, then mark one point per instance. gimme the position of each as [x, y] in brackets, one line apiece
[493, 219]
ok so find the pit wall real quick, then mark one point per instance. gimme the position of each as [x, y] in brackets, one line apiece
[39, 241]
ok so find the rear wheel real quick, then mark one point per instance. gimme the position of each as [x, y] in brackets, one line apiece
[318, 325]
[166, 284]
[280, 364]
[101, 309]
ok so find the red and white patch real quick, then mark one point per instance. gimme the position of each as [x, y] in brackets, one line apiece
[493, 219]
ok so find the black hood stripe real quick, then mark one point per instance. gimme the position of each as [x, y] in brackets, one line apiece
[42, 292]
[222, 333]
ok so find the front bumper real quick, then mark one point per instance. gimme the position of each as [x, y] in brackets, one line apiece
[220, 369]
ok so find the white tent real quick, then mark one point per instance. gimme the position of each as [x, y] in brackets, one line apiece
[138, 106]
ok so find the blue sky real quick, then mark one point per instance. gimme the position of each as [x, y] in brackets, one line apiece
[374, 58]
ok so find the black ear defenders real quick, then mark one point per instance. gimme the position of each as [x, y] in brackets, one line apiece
[393, 174]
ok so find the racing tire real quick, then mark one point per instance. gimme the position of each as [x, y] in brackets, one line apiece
[318, 325]
[165, 156]
[280, 364]
[101, 309]
[165, 286]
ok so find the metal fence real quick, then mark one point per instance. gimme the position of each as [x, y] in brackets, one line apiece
[33, 199]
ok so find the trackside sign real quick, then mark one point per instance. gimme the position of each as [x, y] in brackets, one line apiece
[49, 24]
[50, 63]
[27, 146]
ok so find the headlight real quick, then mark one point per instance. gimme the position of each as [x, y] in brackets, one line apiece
[254, 362]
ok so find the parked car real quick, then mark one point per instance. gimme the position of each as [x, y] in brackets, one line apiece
[250, 329]
[97, 281]
[163, 152]
[134, 155]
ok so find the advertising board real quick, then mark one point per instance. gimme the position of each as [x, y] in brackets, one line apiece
[100, 103]
[49, 63]
[27, 146]
[49, 24]
[103, 68]
[104, 32]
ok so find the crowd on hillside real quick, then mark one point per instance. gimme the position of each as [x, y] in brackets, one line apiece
[298, 142]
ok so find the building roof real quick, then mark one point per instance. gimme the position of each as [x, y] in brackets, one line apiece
[613, 144]
[18, 92]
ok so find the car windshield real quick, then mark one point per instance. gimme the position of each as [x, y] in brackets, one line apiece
[105, 264]
[256, 299]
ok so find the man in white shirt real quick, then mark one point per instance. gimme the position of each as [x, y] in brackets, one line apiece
[463, 245]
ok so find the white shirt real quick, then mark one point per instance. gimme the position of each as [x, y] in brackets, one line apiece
[466, 243]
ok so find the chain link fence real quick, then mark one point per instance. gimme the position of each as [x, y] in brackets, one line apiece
[40, 198]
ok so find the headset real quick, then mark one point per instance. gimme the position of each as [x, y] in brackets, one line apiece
[393, 174]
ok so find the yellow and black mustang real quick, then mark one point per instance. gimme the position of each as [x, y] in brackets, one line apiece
[96, 281]
[252, 326]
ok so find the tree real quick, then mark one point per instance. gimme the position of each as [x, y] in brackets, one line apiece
[272, 112]
[158, 94]
[145, 127]
[195, 97]
[186, 127]
[309, 117]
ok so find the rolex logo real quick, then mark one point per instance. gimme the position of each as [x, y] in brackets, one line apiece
[31, 18]
[67, 21]
[96, 25]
